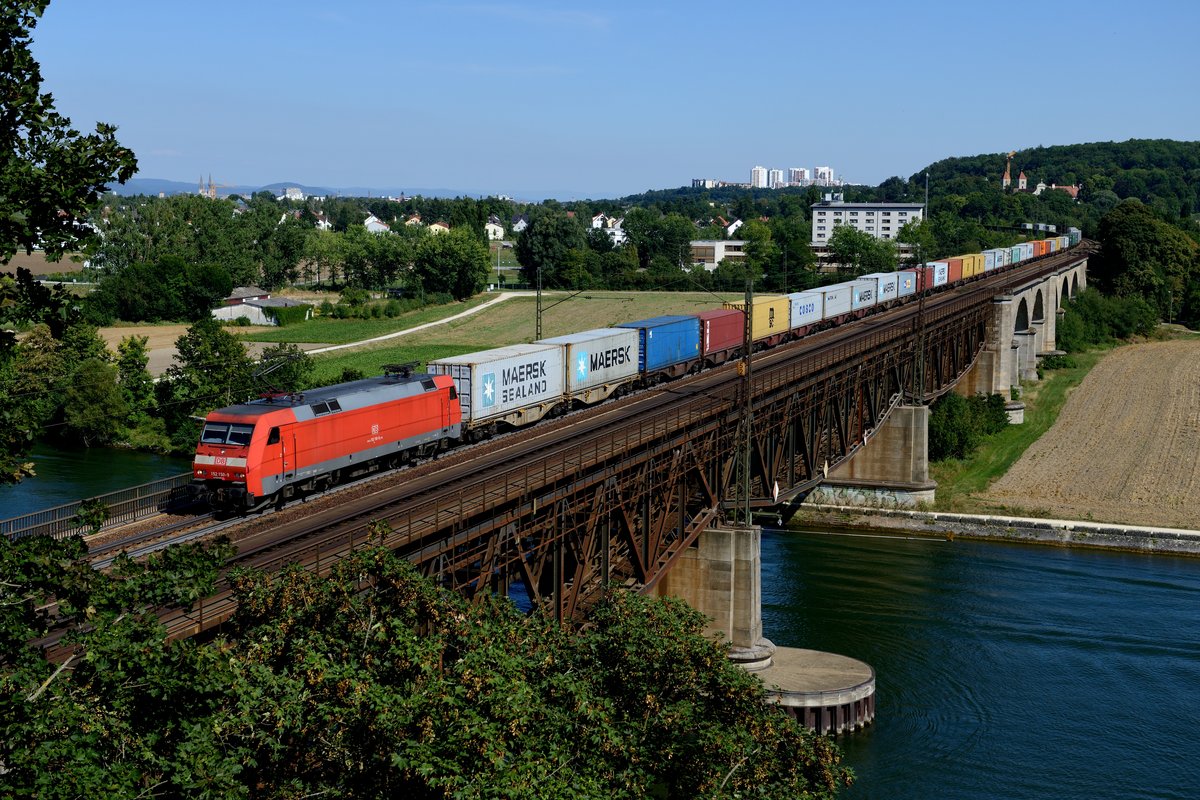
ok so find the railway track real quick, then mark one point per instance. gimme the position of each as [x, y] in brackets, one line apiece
[418, 502]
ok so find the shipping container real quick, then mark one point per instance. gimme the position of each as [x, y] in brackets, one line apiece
[933, 275]
[836, 300]
[888, 286]
[598, 362]
[992, 259]
[669, 344]
[863, 294]
[770, 317]
[805, 308]
[954, 269]
[906, 282]
[722, 332]
[516, 385]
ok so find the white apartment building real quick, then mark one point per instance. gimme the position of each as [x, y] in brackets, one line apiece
[711, 252]
[798, 176]
[823, 176]
[775, 179]
[881, 220]
[758, 178]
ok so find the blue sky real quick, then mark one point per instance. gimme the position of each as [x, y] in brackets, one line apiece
[577, 100]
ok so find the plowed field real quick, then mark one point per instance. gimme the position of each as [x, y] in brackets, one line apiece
[1125, 448]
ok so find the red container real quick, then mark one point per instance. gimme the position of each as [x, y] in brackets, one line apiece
[956, 269]
[1040, 248]
[721, 332]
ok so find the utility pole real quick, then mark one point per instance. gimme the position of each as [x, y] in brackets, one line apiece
[538, 336]
[745, 438]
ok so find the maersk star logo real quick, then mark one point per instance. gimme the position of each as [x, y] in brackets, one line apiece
[488, 393]
[582, 368]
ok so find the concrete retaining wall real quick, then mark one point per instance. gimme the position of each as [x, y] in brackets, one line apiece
[1064, 533]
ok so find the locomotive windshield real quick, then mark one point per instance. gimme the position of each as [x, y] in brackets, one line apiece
[225, 433]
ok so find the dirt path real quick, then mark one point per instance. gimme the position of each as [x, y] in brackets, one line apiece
[1126, 447]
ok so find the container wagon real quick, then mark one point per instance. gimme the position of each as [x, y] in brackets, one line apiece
[722, 335]
[668, 346]
[509, 386]
[597, 364]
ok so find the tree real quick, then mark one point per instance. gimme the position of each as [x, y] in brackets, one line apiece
[372, 682]
[544, 244]
[284, 367]
[93, 406]
[50, 174]
[137, 387]
[455, 262]
[211, 370]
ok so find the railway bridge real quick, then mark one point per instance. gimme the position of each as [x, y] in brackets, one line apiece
[621, 493]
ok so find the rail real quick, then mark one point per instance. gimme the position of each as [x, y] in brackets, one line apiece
[124, 506]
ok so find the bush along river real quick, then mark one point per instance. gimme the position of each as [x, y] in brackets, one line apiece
[1002, 670]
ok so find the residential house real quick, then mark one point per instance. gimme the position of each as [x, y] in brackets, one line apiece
[438, 227]
[519, 223]
[494, 231]
[375, 225]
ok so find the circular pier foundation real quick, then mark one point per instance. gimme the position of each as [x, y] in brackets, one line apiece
[828, 693]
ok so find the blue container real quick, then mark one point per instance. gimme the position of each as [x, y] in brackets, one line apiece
[666, 341]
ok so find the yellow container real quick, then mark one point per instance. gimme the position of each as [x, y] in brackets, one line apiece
[769, 317]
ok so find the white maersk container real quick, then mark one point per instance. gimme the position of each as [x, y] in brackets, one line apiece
[863, 293]
[597, 362]
[806, 308]
[517, 384]
[906, 282]
[941, 272]
[837, 300]
[888, 287]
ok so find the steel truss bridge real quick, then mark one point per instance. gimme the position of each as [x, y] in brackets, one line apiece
[615, 494]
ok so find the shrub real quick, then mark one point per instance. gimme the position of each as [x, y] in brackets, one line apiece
[957, 424]
[288, 315]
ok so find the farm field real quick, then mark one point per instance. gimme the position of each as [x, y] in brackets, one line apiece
[1125, 447]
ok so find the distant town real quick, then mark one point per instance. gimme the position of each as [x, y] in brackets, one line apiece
[764, 178]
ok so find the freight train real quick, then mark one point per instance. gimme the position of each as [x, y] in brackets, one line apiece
[285, 445]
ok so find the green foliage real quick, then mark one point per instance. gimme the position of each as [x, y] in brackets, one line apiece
[455, 263]
[544, 246]
[52, 174]
[289, 315]
[371, 682]
[284, 368]
[92, 515]
[211, 370]
[94, 407]
[1143, 257]
[958, 424]
[169, 289]
[1091, 318]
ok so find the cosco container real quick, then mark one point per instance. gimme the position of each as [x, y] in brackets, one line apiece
[863, 294]
[837, 300]
[888, 287]
[770, 317]
[669, 343]
[517, 384]
[597, 362]
[906, 282]
[722, 332]
[805, 308]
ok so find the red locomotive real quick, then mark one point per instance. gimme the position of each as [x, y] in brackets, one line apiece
[283, 445]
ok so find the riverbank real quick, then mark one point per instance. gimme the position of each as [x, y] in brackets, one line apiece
[1030, 530]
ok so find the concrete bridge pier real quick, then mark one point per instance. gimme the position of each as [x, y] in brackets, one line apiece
[721, 577]
[1027, 359]
[890, 470]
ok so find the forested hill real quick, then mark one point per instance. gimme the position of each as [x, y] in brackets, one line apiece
[1162, 173]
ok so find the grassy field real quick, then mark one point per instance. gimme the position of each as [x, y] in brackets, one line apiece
[959, 480]
[328, 330]
[514, 321]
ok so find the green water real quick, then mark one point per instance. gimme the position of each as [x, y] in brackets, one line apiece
[1002, 671]
[64, 476]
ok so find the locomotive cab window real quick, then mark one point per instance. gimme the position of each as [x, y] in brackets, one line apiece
[240, 434]
[273, 436]
[214, 433]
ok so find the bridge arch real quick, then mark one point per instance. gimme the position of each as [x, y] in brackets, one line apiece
[1074, 284]
[1039, 311]
[1022, 317]
[1066, 290]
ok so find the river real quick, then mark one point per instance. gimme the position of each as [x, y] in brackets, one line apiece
[1002, 671]
[64, 476]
